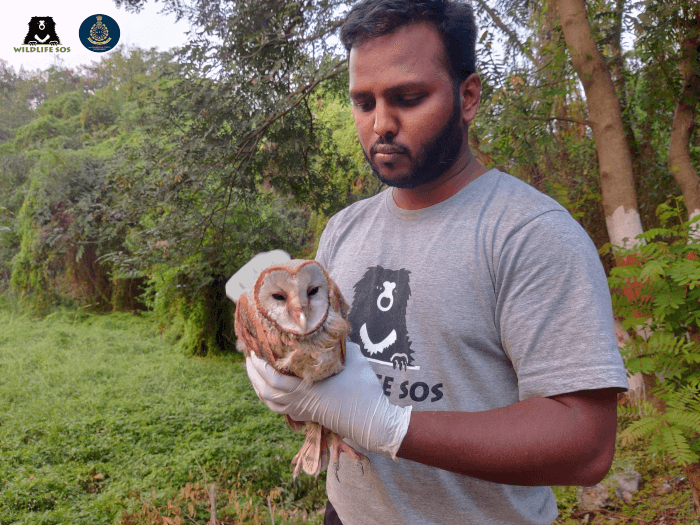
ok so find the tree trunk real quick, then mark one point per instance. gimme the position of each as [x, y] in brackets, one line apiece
[619, 78]
[614, 159]
[679, 161]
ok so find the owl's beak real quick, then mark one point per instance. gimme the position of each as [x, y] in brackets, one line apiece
[297, 313]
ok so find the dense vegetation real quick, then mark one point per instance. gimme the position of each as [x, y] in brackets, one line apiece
[142, 182]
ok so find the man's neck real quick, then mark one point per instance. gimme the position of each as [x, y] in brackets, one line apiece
[465, 170]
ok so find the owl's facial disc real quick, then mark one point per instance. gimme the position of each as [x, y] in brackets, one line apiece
[296, 302]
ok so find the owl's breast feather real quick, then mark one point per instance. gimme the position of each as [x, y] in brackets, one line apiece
[312, 363]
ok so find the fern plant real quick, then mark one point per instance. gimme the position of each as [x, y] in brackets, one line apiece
[670, 431]
[656, 295]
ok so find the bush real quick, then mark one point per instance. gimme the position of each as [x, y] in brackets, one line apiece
[658, 299]
[64, 106]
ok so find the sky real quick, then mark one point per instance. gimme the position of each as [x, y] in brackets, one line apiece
[147, 29]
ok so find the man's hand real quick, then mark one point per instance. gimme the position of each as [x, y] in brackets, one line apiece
[350, 403]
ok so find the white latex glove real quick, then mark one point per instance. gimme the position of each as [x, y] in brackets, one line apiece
[350, 403]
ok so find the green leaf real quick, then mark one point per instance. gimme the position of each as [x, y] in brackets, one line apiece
[640, 429]
[689, 421]
[645, 365]
[676, 445]
[671, 300]
[653, 270]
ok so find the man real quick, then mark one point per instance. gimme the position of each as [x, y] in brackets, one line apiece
[478, 302]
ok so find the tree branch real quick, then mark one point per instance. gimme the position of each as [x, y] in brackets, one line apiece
[339, 68]
[563, 119]
[507, 30]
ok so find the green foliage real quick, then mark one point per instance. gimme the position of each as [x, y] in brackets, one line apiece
[56, 183]
[229, 165]
[657, 297]
[532, 120]
[58, 224]
[40, 130]
[533, 116]
[98, 112]
[671, 432]
[63, 106]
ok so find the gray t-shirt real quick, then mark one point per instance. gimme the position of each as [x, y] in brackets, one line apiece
[492, 296]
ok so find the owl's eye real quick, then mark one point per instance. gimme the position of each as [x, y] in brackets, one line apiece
[278, 297]
[313, 291]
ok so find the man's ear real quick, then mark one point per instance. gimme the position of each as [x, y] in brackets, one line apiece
[470, 95]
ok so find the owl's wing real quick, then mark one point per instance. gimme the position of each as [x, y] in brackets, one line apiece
[338, 303]
[250, 332]
[244, 327]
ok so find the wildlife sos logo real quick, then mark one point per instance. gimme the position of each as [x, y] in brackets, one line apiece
[42, 37]
[378, 318]
[99, 33]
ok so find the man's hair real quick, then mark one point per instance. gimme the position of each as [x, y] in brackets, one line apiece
[453, 19]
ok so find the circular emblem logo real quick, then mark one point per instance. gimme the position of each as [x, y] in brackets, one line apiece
[99, 33]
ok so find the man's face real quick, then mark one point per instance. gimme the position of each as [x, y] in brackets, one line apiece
[405, 106]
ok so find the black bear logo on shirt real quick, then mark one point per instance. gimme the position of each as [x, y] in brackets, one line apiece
[42, 30]
[378, 316]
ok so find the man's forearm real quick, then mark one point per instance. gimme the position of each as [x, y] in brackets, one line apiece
[562, 440]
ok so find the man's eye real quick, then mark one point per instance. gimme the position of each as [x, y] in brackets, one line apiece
[409, 100]
[363, 105]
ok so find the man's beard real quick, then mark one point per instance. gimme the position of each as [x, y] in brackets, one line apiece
[432, 159]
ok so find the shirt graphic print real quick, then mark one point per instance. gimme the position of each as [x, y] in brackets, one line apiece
[378, 317]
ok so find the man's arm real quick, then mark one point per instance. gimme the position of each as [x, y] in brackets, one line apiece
[567, 439]
[561, 440]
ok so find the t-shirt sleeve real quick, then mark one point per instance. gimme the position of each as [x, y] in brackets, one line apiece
[553, 310]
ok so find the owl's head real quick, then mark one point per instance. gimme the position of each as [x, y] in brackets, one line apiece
[294, 296]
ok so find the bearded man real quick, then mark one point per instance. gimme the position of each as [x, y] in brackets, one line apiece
[506, 379]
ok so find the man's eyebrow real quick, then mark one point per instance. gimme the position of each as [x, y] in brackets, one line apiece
[406, 86]
[358, 94]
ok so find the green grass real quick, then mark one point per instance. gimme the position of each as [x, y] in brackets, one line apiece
[103, 422]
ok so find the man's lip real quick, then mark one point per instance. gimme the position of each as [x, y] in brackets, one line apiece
[386, 157]
[387, 153]
[387, 150]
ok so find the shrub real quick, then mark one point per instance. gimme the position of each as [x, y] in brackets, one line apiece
[663, 319]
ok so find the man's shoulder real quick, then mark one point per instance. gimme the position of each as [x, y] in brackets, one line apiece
[359, 209]
[350, 224]
[510, 201]
[522, 216]
[519, 195]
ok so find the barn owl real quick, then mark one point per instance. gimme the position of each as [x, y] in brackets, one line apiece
[295, 318]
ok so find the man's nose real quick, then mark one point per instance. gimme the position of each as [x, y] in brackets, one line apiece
[385, 122]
